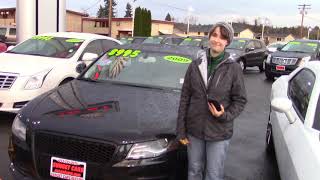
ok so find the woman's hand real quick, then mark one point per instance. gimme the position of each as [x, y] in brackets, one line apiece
[214, 111]
[184, 141]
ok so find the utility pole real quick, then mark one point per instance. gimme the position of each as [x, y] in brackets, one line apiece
[110, 17]
[303, 8]
[318, 34]
[133, 15]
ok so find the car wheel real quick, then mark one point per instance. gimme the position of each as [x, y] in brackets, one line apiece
[269, 76]
[269, 140]
[243, 65]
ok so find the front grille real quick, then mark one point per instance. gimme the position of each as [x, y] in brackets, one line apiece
[7, 80]
[284, 61]
[94, 153]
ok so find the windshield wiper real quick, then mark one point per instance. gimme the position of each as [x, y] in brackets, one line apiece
[137, 85]
[88, 79]
[296, 51]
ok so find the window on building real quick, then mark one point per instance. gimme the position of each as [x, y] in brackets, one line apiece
[206, 33]
[279, 39]
[236, 34]
[199, 33]
[300, 88]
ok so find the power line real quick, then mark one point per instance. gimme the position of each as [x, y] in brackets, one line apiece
[93, 5]
[303, 8]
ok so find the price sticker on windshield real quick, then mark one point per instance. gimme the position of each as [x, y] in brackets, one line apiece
[178, 59]
[42, 38]
[124, 52]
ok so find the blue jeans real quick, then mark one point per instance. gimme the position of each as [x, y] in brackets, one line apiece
[206, 159]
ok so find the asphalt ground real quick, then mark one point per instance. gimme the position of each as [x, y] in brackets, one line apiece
[247, 158]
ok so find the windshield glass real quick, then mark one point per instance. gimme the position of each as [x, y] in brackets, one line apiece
[237, 44]
[3, 31]
[275, 45]
[150, 69]
[190, 42]
[153, 40]
[49, 46]
[296, 46]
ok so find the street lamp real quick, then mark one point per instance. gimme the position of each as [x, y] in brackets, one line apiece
[133, 14]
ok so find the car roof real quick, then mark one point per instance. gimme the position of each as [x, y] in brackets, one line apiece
[78, 35]
[191, 51]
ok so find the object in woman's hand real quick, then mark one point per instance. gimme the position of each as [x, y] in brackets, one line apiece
[215, 103]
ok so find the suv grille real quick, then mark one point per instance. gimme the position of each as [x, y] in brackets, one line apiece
[7, 80]
[95, 154]
[284, 61]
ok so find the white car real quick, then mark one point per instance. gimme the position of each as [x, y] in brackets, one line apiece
[44, 62]
[293, 131]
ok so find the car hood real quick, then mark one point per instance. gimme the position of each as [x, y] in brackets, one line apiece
[291, 54]
[27, 64]
[106, 111]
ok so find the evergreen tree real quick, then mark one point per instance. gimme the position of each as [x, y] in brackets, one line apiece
[101, 12]
[168, 17]
[142, 22]
[128, 10]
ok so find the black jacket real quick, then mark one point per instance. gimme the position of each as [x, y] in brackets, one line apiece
[226, 85]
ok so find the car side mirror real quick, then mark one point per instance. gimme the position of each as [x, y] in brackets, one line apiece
[10, 48]
[249, 49]
[89, 56]
[279, 48]
[283, 105]
[80, 67]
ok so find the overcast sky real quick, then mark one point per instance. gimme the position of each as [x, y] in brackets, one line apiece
[280, 12]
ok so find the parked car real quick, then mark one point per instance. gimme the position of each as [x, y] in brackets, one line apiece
[248, 52]
[132, 40]
[153, 40]
[44, 62]
[3, 46]
[293, 129]
[10, 33]
[273, 47]
[289, 57]
[198, 41]
[117, 120]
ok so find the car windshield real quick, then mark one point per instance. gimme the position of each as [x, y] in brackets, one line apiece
[143, 68]
[152, 40]
[191, 42]
[3, 31]
[237, 44]
[297, 46]
[49, 46]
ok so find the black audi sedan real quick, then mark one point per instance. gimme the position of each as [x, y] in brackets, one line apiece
[289, 57]
[117, 120]
[248, 52]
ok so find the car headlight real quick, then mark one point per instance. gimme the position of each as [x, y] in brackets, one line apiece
[268, 59]
[304, 60]
[148, 149]
[19, 128]
[36, 81]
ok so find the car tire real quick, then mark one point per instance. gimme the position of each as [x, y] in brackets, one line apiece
[269, 140]
[269, 76]
[242, 64]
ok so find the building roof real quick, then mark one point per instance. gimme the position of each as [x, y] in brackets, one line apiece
[69, 11]
[122, 19]
[192, 28]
